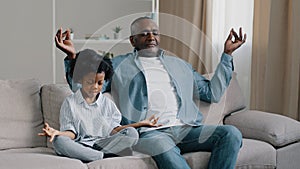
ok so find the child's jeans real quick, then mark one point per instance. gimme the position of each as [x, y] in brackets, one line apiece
[122, 140]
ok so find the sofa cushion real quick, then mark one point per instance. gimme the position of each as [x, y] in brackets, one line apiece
[253, 155]
[197, 160]
[275, 129]
[37, 160]
[288, 156]
[231, 101]
[20, 114]
[53, 96]
[127, 162]
[256, 154]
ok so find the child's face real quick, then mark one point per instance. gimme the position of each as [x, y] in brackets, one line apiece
[92, 84]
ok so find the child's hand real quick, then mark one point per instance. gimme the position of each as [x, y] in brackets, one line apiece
[49, 131]
[150, 122]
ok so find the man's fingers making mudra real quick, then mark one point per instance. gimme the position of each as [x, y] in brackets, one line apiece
[238, 38]
[234, 41]
[64, 43]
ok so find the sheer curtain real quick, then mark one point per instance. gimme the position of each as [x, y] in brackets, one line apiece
[202, 44]
[275, 83]
[186, 31]
[234, 14]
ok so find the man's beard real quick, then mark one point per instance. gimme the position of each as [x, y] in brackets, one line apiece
[148, 52]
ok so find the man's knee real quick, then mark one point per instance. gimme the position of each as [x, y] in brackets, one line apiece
[233, 135]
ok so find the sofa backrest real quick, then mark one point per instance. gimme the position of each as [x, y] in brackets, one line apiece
[233, 100]
[20, 114]
[53, 96]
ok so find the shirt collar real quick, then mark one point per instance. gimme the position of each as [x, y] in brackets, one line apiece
[161, 53]
[80, 100]
[138, 62]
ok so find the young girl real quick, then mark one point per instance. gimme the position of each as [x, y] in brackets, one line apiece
[89, 122]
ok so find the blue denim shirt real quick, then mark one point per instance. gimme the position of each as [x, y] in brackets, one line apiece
[129, 90]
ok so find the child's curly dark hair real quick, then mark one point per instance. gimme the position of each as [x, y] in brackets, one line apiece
[88, 61]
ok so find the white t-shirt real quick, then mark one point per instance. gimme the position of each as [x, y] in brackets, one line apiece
[162, 99]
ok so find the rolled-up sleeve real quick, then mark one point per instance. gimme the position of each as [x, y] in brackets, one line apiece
[66, 118]
[212, 90]
[115, 114]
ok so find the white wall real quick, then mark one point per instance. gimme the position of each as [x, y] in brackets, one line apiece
[28, 28]
[97, 17]
[26, 39]
[88, 16]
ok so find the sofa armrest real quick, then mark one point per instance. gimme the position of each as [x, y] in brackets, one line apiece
[275, 129]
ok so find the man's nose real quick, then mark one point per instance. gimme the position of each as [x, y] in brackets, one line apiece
[150, 35]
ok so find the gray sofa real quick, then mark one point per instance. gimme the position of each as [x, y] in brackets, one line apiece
[270, 141]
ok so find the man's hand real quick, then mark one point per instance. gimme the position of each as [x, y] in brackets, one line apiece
[49, 132]
[64, 43]
[150, 122]
[231, 45]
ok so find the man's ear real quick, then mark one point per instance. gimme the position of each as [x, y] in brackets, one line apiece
[132, 41]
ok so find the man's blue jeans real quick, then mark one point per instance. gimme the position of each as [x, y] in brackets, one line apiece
[166, 145]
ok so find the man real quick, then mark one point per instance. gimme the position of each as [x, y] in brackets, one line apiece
[146, 82]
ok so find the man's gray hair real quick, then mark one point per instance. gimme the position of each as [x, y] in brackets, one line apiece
[132, 26]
